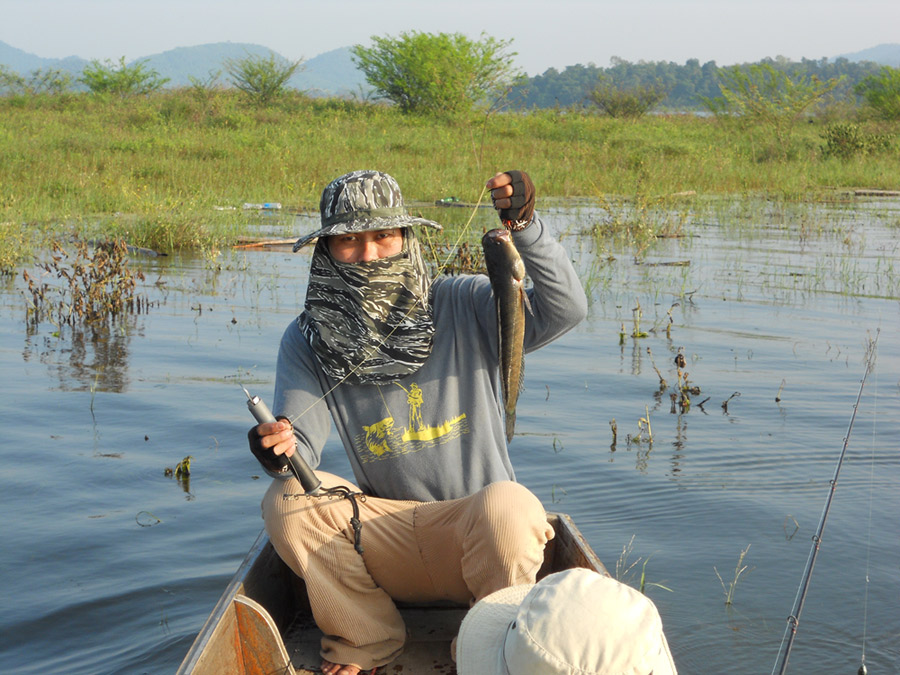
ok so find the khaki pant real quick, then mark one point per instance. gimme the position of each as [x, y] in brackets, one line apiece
[460, 550]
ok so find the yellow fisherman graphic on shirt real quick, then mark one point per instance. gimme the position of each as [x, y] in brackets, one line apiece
[383, 439]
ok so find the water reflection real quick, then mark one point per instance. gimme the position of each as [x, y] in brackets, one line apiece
[85, 358]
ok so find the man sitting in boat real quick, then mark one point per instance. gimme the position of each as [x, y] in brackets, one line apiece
[406, 367]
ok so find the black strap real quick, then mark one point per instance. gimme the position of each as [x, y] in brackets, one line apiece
[342, 492]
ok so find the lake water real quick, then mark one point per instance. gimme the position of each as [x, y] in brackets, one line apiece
[111, 566]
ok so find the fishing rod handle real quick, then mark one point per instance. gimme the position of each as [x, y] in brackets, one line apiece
[299, 467]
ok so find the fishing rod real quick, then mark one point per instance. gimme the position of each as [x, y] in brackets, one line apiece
[793, 621]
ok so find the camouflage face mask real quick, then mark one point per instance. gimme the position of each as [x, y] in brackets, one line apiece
[369, 322]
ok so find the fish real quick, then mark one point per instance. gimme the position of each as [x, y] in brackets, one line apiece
[506, 272]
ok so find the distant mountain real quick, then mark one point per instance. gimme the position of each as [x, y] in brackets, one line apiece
[328, 74]
[22, 62]
[202, 62]
[886, 55]
[331, 73]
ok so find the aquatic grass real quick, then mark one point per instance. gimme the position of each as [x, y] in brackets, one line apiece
[90, 156]
[739, 570]
[171, 171]
[85, 288]
[623, 566]
[626, 572]
[644, 427]
[15, 247]
[93, 394]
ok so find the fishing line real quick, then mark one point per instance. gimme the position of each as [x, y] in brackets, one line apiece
[439, 272]
[793, 621]
[862, 668]
[341, 491]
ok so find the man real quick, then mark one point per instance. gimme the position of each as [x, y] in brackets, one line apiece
[407, 370]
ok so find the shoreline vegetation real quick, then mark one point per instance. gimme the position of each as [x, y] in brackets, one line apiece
[171, 170]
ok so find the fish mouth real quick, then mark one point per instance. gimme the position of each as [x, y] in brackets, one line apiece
[497, 236]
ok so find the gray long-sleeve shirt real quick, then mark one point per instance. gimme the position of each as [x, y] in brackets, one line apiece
[438, 433]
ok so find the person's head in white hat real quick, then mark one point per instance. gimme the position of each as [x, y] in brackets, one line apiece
[572, 622]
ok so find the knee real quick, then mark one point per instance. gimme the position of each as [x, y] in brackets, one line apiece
[505, 541]
[512, 509]
[506, 499]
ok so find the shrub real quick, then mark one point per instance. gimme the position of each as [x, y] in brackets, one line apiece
[761, 93]
[261, 78]
[882, 93]
[50, 81]
[14, 246]
[632, 102]
[121, 79]
[442, 73]
[849, 140]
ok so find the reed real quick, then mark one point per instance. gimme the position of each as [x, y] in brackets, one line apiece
[84, 287]
[15, 246]
[739, 570]
[625, 569]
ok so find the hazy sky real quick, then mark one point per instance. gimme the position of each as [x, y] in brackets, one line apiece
[553, 33]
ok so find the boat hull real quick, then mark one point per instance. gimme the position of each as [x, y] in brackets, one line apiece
[262, 624]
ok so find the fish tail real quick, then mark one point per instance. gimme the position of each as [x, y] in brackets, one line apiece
[510, 425]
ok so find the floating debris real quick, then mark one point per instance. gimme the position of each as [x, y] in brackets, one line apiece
[146, 519]
[778, 395]
[265, 206]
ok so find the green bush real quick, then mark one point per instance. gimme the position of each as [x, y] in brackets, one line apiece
[845, 140]
[121, 79]
[263, 79]
[629, 103]
[881, 93]
[51, 82]
[443, 73]
[762, 94]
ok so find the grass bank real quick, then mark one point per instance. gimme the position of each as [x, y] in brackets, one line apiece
[166, 170]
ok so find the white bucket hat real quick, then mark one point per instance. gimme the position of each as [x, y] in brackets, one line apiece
[575, 622]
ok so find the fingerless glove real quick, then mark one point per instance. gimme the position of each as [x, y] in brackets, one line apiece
[266, 456]
[521, 207]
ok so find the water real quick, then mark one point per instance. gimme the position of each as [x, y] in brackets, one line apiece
[110, 566]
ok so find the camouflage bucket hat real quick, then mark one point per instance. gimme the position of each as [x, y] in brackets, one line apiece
[360, 201]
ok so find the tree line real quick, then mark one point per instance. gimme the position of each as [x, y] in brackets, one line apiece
[682, 87]
[451, 74]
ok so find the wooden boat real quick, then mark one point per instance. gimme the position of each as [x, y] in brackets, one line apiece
[262, 623]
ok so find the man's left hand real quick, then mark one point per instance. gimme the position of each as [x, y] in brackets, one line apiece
[513, 195]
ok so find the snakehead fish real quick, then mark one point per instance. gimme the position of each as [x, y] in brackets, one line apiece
[507, 274]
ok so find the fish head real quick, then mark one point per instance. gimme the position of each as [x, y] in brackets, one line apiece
[497, 237]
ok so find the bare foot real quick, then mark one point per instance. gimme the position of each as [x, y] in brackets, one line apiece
[329, 668]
